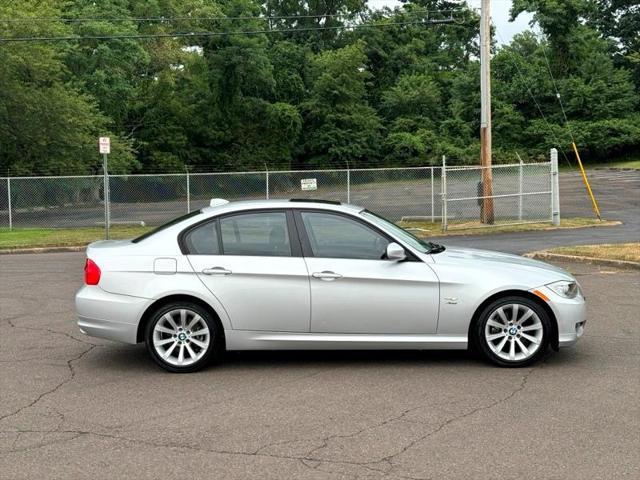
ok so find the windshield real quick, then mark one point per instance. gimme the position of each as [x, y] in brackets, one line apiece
[407, 237]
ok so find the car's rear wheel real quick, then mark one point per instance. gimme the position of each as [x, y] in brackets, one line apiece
[513, 332]
[183, 337]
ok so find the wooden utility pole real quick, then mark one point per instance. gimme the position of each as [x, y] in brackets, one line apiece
[486, 212]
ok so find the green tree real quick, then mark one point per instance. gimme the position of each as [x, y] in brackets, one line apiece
[558, 19]
[619, 21]
[48, 125]
[309, 16]
[340, 128]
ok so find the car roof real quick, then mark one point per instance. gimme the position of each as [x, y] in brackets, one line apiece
[282, 203]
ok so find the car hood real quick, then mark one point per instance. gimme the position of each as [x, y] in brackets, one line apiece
[492, 259]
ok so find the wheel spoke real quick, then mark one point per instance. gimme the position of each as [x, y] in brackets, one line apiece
[159, 343]
[183, 317]
[525, 317]
[524, 349]
[514, 313]
[493, 323]
[160, 328]
[198, 343]
[535, 326]
[169, 350]
[204, 331]
[169, 319]
[194, 320]
[512, 351]
[530, 338]
[501, 344]
[496, 336]
[181, 354]
[502, 316]
[192, 354]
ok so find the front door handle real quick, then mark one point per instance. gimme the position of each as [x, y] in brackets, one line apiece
[216, 271]
[326, 275]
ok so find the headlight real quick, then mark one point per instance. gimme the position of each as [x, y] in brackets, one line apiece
[565, 289]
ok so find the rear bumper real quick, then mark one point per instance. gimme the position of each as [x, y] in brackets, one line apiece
[571, 314]
[107, 315]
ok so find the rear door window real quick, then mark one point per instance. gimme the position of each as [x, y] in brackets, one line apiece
[263, 234]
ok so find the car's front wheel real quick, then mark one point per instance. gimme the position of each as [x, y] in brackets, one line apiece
[513, 332]
[183, 337]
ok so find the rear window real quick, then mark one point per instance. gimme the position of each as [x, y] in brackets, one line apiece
[166, 225]
[203, 239]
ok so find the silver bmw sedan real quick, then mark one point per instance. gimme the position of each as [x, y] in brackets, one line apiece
[289, 274]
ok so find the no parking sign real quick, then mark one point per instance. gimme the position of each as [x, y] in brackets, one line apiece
[104, 145]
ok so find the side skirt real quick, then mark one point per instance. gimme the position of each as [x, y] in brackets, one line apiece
[256, 340]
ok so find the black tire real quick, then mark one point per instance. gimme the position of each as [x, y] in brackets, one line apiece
[481, 344]
[210, 355]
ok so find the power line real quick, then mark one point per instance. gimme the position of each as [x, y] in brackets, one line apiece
[535, 101]
[138, 36]
[558, 96]
[207, 18]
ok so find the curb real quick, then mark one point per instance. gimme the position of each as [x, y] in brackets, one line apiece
[576, 258]
[486, 230]
[72, 248]
[618, 169]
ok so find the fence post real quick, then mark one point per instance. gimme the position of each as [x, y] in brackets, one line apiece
[188, 190]
[433, 213]
[443, 181]
[9, 202]
[555, 189]
[348, 184]
[267, 181]
[520, 188]
[105, 194]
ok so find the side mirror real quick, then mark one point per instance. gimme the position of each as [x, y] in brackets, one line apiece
[395, 252]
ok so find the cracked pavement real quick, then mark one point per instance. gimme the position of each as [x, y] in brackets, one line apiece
[77, 407]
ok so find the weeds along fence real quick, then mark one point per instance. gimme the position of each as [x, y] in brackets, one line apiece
[451, 195]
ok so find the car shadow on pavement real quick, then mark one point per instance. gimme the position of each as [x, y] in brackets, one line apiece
[132, 358]
[355, 357]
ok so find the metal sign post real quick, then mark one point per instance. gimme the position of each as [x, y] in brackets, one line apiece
[9, 201]
[104, 147]
[188, 190]
[443, 194]
[555, 189]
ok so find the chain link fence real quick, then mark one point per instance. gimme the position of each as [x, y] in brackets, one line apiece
[451, 195]
[520, 193]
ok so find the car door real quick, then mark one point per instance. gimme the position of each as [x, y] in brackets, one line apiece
[252, 263]
[355, 290]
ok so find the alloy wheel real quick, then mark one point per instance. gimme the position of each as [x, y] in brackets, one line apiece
[181, 337]
[513, 332]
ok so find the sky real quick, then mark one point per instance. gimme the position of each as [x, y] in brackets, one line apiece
[499, 14]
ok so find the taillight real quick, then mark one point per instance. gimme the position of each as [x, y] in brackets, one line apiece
[91, 272]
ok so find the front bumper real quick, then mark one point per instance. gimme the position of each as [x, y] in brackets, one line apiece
[570, 313]
[108, 315]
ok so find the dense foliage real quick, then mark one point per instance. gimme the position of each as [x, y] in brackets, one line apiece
[300, 91]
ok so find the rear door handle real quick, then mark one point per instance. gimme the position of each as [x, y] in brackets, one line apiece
[326, 275]
[216, 271]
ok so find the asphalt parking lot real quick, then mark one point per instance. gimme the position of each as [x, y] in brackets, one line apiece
[618, 196]
[76, 407]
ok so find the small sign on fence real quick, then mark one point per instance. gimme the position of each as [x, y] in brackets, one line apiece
[308, 184]
[104, 145]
